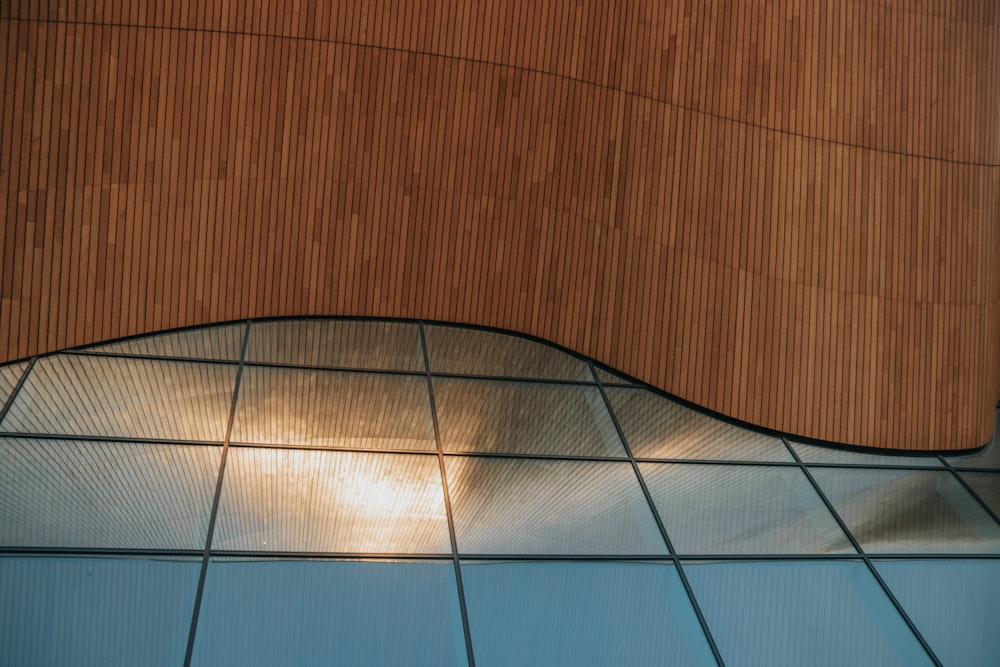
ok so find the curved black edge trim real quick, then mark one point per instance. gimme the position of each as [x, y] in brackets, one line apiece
[635, 385]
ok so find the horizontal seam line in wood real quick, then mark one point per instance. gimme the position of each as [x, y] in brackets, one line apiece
[530, 70]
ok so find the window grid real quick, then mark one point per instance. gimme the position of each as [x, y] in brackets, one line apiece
[942, 463]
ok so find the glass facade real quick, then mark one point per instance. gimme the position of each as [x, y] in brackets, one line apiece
[386, 492]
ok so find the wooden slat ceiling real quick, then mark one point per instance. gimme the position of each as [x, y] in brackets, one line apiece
[785, 211]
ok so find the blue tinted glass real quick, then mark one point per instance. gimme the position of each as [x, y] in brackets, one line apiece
[953, 603]
[581, 614]
[329, 612]
[95, 611]
[802, 613]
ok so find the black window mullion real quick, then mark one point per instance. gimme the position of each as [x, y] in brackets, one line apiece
[447, 500]
[5, 408]
[864, 556]
[659, 523]
[206, 554]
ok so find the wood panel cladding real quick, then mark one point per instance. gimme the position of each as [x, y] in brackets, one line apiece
[782, 211]
[911, 76]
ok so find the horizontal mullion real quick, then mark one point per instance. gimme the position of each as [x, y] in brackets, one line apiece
[107, 438]
[195, 554]
[379, 555]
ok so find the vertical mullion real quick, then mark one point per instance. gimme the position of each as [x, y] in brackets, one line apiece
[447, 498]
[864, 556]
[215, 501]
[659, 522]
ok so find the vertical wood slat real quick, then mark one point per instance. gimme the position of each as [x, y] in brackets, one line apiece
[780, 211]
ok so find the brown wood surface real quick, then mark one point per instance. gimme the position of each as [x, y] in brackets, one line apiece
[786, 211]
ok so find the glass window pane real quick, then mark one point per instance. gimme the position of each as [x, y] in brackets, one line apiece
[507, 506]
[801, 613]
[9, 377]
[816, 454]
[909, 511]
[95, 611]
[740, 509]
[610, 377]
[329, 613]
[658, 428]
[524, 418]
[987, 486]
[334, 409]
[124, 398]
[337, 343]
[115, 495]
[988, 458]
[224, 343]
[331, 502]
[953, 603]
[475, 352]
[581, 614]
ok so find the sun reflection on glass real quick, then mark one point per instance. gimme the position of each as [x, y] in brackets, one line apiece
[328, 501]
[377, 493]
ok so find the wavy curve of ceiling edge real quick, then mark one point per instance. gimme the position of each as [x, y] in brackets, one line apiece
[379, 348]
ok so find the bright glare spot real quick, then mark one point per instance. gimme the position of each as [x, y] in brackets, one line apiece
[372, 496]
[350, 501]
